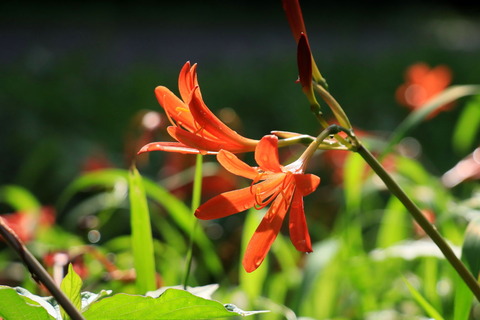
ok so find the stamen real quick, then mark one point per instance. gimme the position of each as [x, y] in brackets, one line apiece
[258, 200]
[182, 109]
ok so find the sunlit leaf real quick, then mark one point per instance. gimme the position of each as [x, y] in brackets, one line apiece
[72, 285]
[172, 304]
[18, 198]
[142, 244]
[14, 306]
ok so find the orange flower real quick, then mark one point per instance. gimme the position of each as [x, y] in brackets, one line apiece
[422, 83]
[194, 126]
[281, 186]
[26, 224]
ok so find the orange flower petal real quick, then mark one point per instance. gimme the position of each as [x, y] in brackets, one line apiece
[236, 166]
[266, 154]
[184, 81]
[266, 233]
[175, 108]
[187, 81]
[210, 123]
[298, 225]
[199, 142]
[226, 204]
[169, 147]
[306, 183]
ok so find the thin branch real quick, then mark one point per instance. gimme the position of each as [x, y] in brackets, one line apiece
[38, 272]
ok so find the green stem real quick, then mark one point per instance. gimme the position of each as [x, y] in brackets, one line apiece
[429, 228]
[196, 197]
[337, 110]
[38, 271]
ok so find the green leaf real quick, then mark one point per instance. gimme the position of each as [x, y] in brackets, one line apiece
[18, 198]
[426, 306]
[15, 306]
[172, 304]
[72, 285]
[467, 126]
[142, 244]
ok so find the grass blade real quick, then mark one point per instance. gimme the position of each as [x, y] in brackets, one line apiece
[142, 243]
[426, 306]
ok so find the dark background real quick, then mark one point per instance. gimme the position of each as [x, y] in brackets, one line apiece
[73, 75]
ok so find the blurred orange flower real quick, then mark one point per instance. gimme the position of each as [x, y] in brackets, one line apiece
[281, 186]
[26, 224]
[422, 83]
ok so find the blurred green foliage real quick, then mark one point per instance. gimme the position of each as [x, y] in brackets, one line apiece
[73, 76]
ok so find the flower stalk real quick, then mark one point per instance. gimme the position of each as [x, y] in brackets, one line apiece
[429, 228]
[196, 197]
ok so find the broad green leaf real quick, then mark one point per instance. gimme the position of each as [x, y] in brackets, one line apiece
[426, 306]
[14, 306]
[89, 297]
[18, 198]
[72, 285]
[470, 256]
[172, 304]
[467, 126]
[142, 244]
[448, 95]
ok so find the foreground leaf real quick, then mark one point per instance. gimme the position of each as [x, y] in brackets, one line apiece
[15, 306]
[172, 304]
